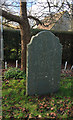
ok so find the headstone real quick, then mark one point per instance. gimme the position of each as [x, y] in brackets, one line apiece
[65, 65]
[71, 67]
[5, 65]
[43, 64]
[16, 63]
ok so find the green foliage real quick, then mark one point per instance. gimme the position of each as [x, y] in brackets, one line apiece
[17, 105]
[14, 73]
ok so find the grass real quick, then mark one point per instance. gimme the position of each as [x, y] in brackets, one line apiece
[15, 104]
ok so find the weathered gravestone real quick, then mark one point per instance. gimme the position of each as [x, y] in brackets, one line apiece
[43, 64]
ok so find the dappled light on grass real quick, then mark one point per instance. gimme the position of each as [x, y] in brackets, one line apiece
[17, 105]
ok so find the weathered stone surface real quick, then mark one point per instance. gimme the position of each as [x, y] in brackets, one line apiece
[43, 64]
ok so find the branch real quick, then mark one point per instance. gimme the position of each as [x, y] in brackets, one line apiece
[68, 4]
[61, 6]
[34, 18]
[11, 26]
[10, 16]
[49, 5]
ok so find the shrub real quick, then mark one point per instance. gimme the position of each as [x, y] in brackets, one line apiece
[14, 73]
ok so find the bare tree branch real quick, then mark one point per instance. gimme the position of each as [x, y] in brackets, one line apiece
[68, 3]
[49, 6]
[10, 16]
[61, 6]
[11, 26]
[36, 19]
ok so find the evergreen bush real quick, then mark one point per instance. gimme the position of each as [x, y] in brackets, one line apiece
[14, 73]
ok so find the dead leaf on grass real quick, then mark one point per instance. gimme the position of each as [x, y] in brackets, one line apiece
[39, 116]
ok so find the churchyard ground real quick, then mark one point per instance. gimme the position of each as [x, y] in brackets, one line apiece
[15, 103]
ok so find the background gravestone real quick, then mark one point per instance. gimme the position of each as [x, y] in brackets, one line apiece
[43, 64]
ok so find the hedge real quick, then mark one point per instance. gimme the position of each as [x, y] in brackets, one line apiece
[11, 44]
[12, 47]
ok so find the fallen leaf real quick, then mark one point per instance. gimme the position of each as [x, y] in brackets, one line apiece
[39, 116]
[23, 109]
[45, 105]
[41, 107]
[61, 109]
[52, 108]
[67, 107]
[48, 108]
[53, 114]
[52, 100]
[30, 116]
[47, 114]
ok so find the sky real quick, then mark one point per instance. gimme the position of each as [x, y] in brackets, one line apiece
[34, 2]
[34, 7]
[38, 9]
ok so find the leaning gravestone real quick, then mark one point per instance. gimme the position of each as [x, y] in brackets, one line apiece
[43, 64]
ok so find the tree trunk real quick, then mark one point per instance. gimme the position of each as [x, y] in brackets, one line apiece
[25, 33]
[25, 39]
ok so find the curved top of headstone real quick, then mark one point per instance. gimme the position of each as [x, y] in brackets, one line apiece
[45, 36]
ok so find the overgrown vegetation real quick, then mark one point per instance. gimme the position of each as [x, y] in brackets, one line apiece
[16, 104]
[14, 73]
